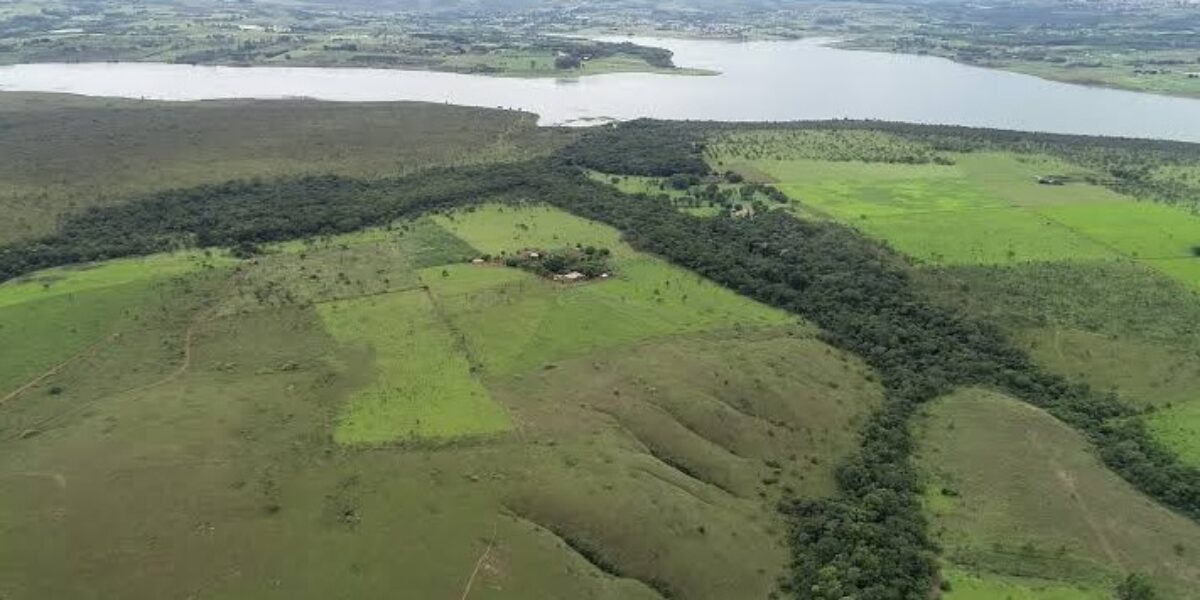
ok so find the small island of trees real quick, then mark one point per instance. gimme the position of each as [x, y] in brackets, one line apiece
[568, 265]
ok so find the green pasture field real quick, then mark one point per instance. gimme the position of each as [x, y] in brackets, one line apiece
[1142, 372]
[80, 279]
[854, 198]
[634, 184]
[498, 228]
[741, 417]
[1006, 235]
[1186, 270]
[1116, 299]
[59, 313]
[985, 208]
[1013, 491]
[422, 387]
[1140, 230]
[965, 585]
[515, 321]
[648, 462]
[686, 200]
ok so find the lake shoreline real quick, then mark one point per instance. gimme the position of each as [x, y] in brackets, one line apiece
[766, 81]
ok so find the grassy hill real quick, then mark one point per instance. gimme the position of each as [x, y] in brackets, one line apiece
[369, 400]
[1014, 492]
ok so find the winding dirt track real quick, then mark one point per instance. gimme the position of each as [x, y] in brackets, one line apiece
[88, 351]
[479, 565]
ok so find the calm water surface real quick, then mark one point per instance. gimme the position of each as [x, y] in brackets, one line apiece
[759, 81]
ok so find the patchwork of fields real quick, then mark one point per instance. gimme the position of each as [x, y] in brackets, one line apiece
[1094, 285]
[307, 408]
[993, 233]
[407, 407]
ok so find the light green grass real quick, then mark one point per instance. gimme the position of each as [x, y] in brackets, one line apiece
[1013, 178]
[979, 210]
[497, 228]
[53, 315]
[1007, 235]
[1185, 270]
[423, 386]
[516, 321]
[1140, 230]
[1142, 372]
[852, 191]
[965, 585]
[233, 464]
[1030, 498]
[1178, 427]
[719, 404]
[75, 279]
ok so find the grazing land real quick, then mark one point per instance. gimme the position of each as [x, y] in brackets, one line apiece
[965, 585]
[1077, 273]
[516, 321]
[346, 391]
[424, 387]
[313, 385]
[1043, 507]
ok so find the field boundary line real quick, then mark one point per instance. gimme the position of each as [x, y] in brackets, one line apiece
[459, 339]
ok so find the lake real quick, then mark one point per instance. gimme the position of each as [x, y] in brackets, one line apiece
[758, 81]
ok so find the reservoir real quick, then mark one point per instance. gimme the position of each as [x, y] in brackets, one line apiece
[758, 81]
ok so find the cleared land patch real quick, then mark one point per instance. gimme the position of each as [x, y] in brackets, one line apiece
[498, 228]
[57, 313]
[965, 585]
[423, 386]
[234, 465]
[1179, 428]
[373, 261]
[515, 321]
[1014, 491]
[1140, 230]
[961, 209]
[1006, 235]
